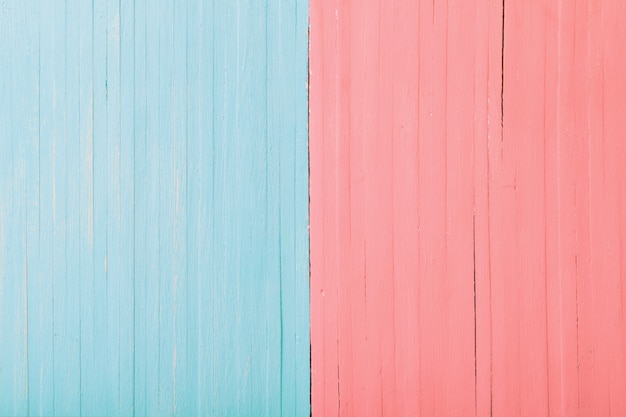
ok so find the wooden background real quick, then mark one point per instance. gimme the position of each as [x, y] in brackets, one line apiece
[467, 200]
[468, 207]
[153, 208]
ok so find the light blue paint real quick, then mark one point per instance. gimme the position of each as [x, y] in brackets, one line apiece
[154, 208]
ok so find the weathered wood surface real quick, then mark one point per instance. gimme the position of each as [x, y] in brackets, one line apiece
[153, 208]
[468, 181]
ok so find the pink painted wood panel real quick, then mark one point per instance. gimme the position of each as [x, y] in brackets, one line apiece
[467, 189]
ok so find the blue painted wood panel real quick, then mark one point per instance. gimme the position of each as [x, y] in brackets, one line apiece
[154, 208]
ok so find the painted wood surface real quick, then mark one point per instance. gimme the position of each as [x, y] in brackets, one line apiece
[467, 208]
[153, 208]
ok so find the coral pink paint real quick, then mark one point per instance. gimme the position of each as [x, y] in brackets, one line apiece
[468, 191]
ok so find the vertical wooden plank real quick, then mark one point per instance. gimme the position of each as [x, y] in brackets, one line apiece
[103, 396]
[591, 383]
[88, 380]
[165, 180]
[5, 212]
[506, 287]
[300, 330]
[199, 172]
[44, 323]
[486, 130]
[404, 98]
[6, 89]
[228, 305]
[223, 346]
[520, 376]
[180, 362]
[275, 207]
[13, 237]
[488, 150]
[71, 358]
[342, 195]
[58, 160]
[126, 161]
[593, 378]
[9, 285]
[142, 224]
[28, 19]
[152, 206]
[113, 205]
[458, 302]
[600, 287]
[226, 269]
[564, 181]
[324, 390]
[379, 233]
[262, 193]
[614, 178]
[432, 200]
[24, 100]
[358, 264]
[278, 129]
[287, 172]
[201, 204]
[269, 198]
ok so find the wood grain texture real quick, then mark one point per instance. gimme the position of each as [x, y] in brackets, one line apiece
[391, 212]
[561, 93]
[467, 187]
[154, 208]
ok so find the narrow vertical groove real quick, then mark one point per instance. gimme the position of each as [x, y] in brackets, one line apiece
[52, 273]
[158, 239]
[446, 146]
[337, 141]
[26, 285]
[119, 191]
[502, 76]
[378, 123]
[93, 165]
[577, 333]
[418, 213]
[134, 226]
[308, 206]
[489, 266]
[106, 168]
[174, 271]
[187, 379]
[39, 132]
[145, 156]
[80, 292]
[475, 314]
[213, 160]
